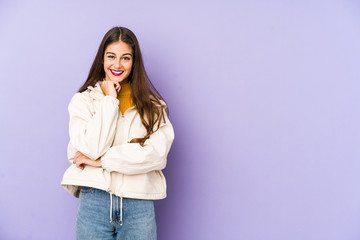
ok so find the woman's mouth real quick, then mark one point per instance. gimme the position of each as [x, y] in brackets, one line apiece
[116, 73]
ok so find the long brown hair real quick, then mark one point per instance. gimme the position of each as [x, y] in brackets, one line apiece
[146, 98]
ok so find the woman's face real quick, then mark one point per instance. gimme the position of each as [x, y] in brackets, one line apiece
[118, 61]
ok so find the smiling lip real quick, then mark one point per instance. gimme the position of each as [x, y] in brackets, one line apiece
[116, 73]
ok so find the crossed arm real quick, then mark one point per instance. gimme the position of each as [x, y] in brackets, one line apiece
[132, 158]
[92, 136]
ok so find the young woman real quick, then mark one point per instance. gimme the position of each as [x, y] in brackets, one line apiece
[120, 136]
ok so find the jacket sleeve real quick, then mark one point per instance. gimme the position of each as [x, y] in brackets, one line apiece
[92, 133]
[132, 158]
[71, 152]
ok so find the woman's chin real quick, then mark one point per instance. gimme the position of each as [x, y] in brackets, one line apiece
[120, 81]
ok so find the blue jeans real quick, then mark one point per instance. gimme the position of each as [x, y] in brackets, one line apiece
[93, 217]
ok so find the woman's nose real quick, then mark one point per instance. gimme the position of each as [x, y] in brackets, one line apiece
[118, 63]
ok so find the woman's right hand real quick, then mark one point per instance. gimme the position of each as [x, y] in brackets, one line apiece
[111, 88]
[80, 160]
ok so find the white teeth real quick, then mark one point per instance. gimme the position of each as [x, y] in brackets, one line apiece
[117, 72]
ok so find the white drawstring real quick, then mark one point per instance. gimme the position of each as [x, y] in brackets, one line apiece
[110, 207]
[121, 210]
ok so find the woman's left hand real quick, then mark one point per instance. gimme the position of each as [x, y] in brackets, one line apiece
[81, 160]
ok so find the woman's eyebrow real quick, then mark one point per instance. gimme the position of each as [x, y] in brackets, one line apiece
[121, 55]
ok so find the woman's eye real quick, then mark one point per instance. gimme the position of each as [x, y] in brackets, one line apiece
[126, 58]
[111, 57]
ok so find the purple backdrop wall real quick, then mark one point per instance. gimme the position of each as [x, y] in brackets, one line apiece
[264, 97]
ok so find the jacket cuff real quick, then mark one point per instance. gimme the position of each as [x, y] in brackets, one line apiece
[105, 164]
[112, 100]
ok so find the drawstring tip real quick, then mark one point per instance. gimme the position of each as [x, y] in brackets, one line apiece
[121, 223]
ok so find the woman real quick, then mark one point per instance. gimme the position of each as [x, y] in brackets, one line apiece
[120, 136]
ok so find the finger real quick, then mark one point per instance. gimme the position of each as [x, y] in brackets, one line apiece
[77, 155]
[117, 87]
[81, 166]
[78, 163]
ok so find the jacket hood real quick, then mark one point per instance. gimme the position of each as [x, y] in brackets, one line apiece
[96, 92]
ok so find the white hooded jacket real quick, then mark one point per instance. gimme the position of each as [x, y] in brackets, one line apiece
[98, 129]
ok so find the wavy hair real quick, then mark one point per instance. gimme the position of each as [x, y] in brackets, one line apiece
[146, 98]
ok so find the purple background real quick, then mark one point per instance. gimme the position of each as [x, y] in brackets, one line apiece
[264, 97]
